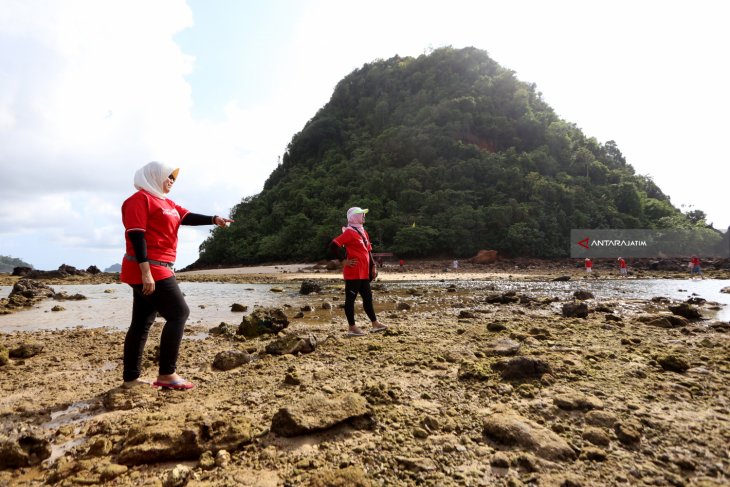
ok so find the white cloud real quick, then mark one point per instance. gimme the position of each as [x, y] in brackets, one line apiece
[90, 92]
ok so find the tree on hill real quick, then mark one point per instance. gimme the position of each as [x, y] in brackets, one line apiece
[7, 263]
[452, 142]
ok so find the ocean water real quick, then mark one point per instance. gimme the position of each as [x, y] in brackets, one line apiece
[110, 304]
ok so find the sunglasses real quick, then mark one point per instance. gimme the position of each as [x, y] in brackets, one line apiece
[171, 177]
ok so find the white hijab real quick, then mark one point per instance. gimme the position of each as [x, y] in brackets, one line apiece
[151, 178]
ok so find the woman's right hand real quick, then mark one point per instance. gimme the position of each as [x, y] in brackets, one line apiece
[148, 282]
[350, 262]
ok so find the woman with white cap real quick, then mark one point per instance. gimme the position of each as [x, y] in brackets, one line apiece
[151, 222]
[356, 270]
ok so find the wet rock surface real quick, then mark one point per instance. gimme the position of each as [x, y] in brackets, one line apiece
[509, 392]
[263, 321]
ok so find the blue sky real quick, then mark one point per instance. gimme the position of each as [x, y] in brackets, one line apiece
[92, 90]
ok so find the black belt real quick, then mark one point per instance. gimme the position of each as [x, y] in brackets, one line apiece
[151, 261]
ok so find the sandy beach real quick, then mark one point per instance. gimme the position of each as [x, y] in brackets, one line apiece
[470, 385]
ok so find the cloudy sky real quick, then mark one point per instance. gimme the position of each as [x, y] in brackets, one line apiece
[92, 90]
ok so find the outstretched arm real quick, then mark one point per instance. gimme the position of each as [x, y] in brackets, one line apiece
[196, 219]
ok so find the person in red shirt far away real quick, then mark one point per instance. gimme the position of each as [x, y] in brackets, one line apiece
[622, 270]
[356, 270]
[695, 267]
[589, 266]
[151, 221]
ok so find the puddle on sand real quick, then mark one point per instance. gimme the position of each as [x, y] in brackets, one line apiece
[57, 451]
[77, 412]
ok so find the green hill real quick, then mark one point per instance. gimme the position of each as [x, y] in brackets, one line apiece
[7, 263]
[452, 154]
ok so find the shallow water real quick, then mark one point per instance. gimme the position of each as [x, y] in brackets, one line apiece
[110, 305]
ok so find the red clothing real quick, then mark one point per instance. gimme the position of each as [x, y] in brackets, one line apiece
[695, 261]
[622, 263]
[160, 220]
[356, 249]
[589, 264]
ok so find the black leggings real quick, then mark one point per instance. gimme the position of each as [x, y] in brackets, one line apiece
[352, 288]
[168, 300]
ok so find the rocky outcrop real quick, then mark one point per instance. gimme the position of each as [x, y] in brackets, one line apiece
[263, 321]
[510, 429]
[230, 359]
[484, 257]
[292, 345]
[309, 287]
[23, 448]
[575, 310]
[577, 401]
[520, 368]
[164, 440]
[26, 350]
[686, 310]
[317, 413]
[664, 320]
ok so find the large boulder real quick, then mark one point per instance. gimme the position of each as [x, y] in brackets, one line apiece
[575, 310]
[166, 440]
[686, 310]
[263, 321]
[230, 359]
[484, 257]
[318, 413]
[31, 290]
[664, 320]
[510, 429]
[519, 368]
[309, 287]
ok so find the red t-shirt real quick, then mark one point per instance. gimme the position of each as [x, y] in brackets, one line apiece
[589, 264]
[622, 264]
[159, 219]
[356, 249]
[695, 261]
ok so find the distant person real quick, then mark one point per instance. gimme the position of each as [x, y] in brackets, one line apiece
[455, 265]
[622, 270]
[589, 266]
[356, 270]
[401, 264]
[151, 222]
[695, 267]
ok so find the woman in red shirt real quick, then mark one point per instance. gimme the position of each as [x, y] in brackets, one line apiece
[356, 270]
[151, 222]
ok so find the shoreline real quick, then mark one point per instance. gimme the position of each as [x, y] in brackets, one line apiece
[508, 269]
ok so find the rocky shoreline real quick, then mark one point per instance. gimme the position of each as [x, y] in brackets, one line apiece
[469, 386]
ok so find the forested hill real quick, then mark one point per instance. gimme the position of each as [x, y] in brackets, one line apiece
[451, 153]
[8, 263]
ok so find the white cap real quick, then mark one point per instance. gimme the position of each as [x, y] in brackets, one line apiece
[355, 210]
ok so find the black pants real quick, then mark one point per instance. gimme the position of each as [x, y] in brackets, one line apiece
[168, 300]
[352, 288]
